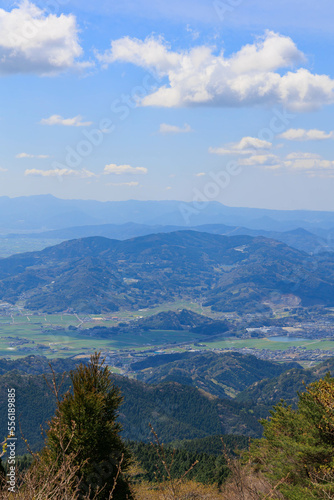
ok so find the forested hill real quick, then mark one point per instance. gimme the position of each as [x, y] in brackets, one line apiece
[223, 375]
[176, 411]
[267, 392]
[97, 274]
[36, 365]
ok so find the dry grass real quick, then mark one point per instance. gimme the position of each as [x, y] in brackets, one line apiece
[246, 484]
[189, 490]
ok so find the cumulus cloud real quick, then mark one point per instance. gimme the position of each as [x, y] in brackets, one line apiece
[300, 134]
[308, 162]
[261, 160]
[76, 121]
[27, 155]
[245, 146]
[311, 164]
[124, 169]
[59, 172]
[33, 41]
[174, 129]
[259, 73]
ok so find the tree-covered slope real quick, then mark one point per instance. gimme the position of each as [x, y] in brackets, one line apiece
[97, 274]
[223, 375]
[268, 392]
[175, 411]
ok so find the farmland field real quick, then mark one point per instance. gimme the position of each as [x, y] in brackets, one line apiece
[23, 333]
[270, 343]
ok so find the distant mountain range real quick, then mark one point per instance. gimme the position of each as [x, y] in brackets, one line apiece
[297, 238]
[228, 273]
[46, 212]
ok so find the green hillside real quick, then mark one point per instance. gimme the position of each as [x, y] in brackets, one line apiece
[223, 375]
[176, 411]
[227, 273]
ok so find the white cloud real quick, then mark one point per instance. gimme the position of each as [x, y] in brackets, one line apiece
[245, 146]
[27, 155]
[59, 172]
[174, 129]
[76, 121]
[3, 169]
[254, 152]
[200, 174]
[32, 41]
[261, 159]
[303, 156]
[194, 33]
[124, 169]
[128, 184]
[311, 164]
[300, 134]
[260, 73]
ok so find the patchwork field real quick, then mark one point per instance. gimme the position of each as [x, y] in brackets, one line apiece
[271, 343]
[23, 333]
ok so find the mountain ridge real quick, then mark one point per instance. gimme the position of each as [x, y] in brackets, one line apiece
[29, 213]
[98, 274]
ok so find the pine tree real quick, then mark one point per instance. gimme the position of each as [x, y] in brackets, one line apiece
[86, 429]
[298, 444]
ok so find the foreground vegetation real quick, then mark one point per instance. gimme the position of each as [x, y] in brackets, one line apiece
[84, 456]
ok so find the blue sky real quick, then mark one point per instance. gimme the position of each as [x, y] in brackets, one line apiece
[227, 100]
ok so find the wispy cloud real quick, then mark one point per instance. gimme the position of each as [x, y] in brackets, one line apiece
[310, 164]
[267, 160]
[27, 155]
[300, 134]
[76, 121]
[245, 146]
[174, 129]
[128, 184]
[60, 172]
[124, 169]
[259, 73]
